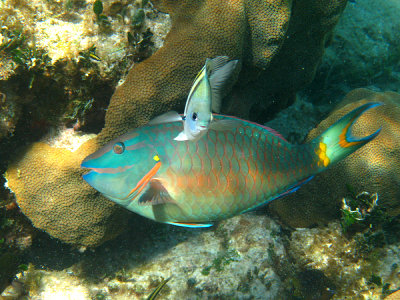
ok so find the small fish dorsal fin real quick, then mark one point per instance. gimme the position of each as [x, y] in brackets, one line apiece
[219, 70]
[195, 84]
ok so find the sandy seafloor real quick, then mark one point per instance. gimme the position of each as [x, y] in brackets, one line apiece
[251, 256]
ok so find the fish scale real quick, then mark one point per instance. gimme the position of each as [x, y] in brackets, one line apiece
[224, 163]
[218, 176]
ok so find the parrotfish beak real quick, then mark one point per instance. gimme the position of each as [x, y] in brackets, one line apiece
[108, 184]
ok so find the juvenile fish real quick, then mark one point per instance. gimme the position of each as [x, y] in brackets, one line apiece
[157, 290]
[204, 97]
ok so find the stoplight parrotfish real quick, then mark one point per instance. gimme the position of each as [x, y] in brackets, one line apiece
[223, 174]
[203, 99]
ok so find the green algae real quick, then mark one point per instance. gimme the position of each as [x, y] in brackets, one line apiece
[98, 7]
[223, 259]
[101, 18]
[368, 223]
[361, 211]
[138, 18]
[31, 59]
[375, 279]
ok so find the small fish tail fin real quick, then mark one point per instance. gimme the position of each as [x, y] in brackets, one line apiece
[337, 141]
[219, 70]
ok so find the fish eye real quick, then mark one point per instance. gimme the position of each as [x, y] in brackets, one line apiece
[194, 116]
[119, 148]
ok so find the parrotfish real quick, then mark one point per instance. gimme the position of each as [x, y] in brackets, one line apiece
[223, 174]
[203, 99]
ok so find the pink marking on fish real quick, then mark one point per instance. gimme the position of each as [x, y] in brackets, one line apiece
[112, 170]
[136, 146]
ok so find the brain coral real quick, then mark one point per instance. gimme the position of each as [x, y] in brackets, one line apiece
[40, 179]
[279, 41]
[272, 39]
[373, 168]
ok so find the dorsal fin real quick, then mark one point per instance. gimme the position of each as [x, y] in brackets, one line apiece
[196, 82]
[274, 132]
[269, 129]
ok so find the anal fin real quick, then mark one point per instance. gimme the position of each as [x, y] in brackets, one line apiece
[290, 190]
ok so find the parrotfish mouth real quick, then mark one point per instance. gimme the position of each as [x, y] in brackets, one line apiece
[133, 193]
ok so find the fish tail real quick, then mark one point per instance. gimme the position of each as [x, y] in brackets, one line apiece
[337, 141]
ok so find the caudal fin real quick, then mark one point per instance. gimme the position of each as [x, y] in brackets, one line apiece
[337, 142]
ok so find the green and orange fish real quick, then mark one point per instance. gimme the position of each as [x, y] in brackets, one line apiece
[223, 174]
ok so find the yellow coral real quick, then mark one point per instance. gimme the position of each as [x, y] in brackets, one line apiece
[52, 194]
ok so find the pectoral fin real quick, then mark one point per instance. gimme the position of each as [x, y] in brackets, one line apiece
[224, 125]
[170, 116]
[156, 194]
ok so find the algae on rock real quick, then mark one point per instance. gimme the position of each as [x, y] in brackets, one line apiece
[330, 251]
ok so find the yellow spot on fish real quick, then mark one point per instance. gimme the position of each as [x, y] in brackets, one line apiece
[322, 146]
[94, 57]
[321, 152]
[156, 158]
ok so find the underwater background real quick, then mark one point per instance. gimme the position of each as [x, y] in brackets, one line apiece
[75, 74]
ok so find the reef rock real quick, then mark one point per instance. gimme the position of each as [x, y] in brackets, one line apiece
[354, 276]
[374, 168]
[364, 52]
[9, 115]
[242, 258]
[272, 39]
